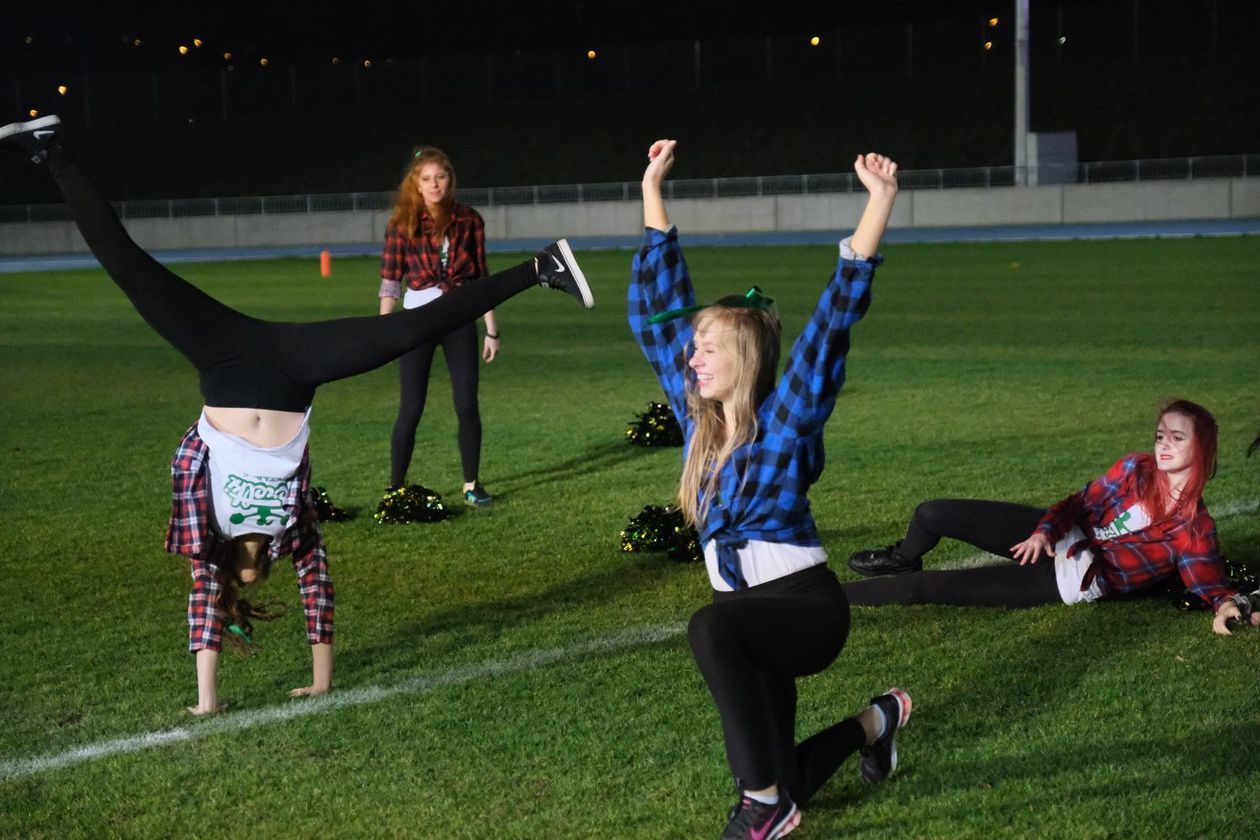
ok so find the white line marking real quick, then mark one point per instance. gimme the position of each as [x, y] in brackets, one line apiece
[237, 721]
[986, 559]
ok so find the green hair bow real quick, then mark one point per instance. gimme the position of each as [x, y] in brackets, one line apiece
[752, 299]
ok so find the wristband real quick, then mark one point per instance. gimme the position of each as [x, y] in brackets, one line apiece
[495, 336]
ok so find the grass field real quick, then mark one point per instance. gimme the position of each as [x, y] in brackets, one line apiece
[510, 673]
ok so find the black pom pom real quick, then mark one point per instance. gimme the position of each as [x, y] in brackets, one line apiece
[413, 503]
[326, 510]
[1241, 578]
[655, 427]
[662, 529]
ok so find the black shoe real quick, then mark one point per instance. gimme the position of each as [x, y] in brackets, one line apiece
[879, 760]
[751, 819]
[882, 561]
[557, 269]
[477, 496]
[31, 139]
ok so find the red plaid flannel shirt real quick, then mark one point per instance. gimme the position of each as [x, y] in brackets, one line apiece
[1139, 559]
[417, 262]
[210, 556]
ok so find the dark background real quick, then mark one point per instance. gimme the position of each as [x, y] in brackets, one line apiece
[508, 90]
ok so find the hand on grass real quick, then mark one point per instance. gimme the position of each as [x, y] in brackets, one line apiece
[1030, 549]
[1227, 611]
[308, 691]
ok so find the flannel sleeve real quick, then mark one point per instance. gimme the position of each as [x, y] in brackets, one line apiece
[1199, 562]
[393, 260]
[479, 245]
[659, 282]
[1067, 513]
[815, 372]
[205, 619]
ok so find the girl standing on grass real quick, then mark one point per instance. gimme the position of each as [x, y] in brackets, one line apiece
[1137, 525]
[241, 473]
[433, 245]
[752, 451]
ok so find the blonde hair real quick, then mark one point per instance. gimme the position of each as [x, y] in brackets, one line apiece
[409, 204]
[752, 335]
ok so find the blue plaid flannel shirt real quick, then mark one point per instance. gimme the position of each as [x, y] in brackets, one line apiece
[762, 487]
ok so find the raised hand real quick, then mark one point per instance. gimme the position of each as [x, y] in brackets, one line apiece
[877, 173]
[660, 160]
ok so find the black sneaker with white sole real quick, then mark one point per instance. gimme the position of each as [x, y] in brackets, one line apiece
[557, 269]
[879, 760]
[31, 139]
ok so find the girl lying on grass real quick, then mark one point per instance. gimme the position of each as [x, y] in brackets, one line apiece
[242, 471]
[1130, 529]
[753, 448]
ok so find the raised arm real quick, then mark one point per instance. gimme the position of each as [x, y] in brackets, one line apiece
[815, 370]
[660, 282]
[660, 160]
[879, 175]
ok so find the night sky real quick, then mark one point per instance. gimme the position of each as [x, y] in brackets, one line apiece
[75, 37]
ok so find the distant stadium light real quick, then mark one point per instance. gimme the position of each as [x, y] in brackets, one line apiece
[993, 21]
[590, 54]
[336, 60]
[62, 89]
[815, 41]
[264, 62]
[183, 50]
[33, 112]
[29, 39]
[988, 45]
[1062, 40]
[367, 62]
[136, 42]
[227, 56]
[196, 42]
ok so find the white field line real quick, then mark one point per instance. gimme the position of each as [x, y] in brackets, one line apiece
[237, 721]
[986, 559]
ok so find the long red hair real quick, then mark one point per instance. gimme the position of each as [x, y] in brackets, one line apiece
[1153, 486]
[409, 204]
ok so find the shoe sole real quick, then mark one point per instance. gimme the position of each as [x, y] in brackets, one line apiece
[789, 825]
[34, 125]
[588, 299]
[904, 705]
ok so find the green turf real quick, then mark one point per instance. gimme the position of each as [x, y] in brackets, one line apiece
[1013, 371]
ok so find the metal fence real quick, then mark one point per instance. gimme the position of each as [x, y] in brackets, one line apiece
[1099, 172]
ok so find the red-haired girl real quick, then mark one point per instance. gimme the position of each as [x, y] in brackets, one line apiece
[433, 245]
[1137, 525]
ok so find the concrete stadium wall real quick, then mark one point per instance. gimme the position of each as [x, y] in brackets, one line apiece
[1215, 198]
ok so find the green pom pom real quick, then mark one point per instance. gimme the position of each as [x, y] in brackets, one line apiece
[325, 510]
[655, 427]
[413, 503]
[662, 529]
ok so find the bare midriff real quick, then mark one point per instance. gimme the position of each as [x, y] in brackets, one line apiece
[263, 427]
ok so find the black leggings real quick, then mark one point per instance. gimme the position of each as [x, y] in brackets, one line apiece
[991, 526]
[246, 362]
[459, 347]
[751, 645]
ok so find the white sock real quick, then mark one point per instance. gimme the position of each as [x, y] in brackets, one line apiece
[883, 721]
[764, 798]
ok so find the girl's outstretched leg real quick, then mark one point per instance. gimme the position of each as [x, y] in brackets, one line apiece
[191, 321]
[325, 351]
